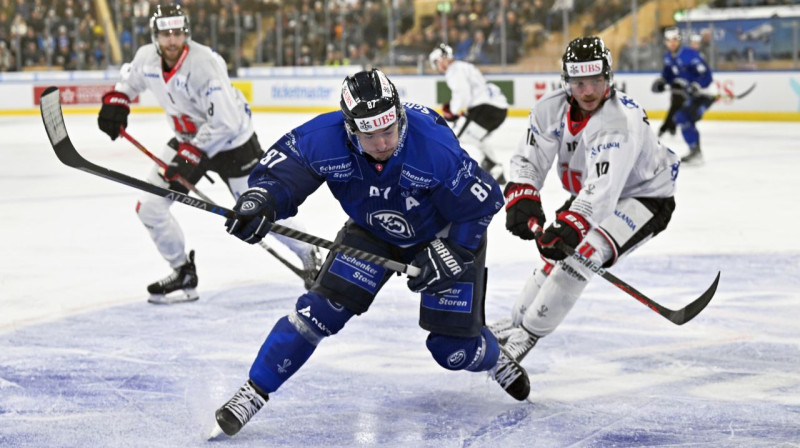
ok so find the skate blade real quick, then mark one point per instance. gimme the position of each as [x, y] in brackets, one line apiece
[216, 433]
[182, 296]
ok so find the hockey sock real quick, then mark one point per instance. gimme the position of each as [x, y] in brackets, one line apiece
[282, 354]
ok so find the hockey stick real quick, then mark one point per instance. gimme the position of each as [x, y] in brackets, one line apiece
[677, 317]
[53, 119]
[180, 179]
[738, 96]
[188, 185]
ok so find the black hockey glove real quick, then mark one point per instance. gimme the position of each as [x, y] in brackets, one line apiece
[689, 89]
[523, 209]
[114, 113]
[255, 213]
[659, 85]
[441, 264]
[189, 163]
[570, 227]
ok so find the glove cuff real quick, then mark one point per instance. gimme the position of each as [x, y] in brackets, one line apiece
[576, 221]
[515, 192]
[467, 256]
[114, 98]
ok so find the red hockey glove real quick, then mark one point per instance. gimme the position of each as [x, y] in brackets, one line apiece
[188, 163]
[114, 113]
[447, 114]
[523, 208]
[570, 227]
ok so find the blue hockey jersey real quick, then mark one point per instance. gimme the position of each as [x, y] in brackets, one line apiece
[686, 64]
[429, 183]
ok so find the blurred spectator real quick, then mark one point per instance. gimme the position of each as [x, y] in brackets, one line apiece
[463, 45]
[477, 51]
[7, 62]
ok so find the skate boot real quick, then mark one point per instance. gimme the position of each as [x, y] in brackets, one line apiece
[177, 287]
[695, 157]
[234, 414]
[511, 376]
[519, 343]
[312, 262]
[502, 329]
[494, 169]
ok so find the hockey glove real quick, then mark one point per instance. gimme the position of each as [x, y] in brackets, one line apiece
[441, 264]
[447, 114]
[189, 163]
[255, 213]
[689, 89]
[114, 113]
[659, 85]
[523, 208]
[570, 227]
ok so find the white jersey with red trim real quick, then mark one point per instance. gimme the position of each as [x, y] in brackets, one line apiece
[612, 155]
[202, 106]
[469, 88]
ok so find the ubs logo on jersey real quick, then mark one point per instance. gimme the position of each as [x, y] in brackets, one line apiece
[392, 222]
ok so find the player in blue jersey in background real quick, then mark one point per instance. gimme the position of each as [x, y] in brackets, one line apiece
[412, 194]
[689, 78]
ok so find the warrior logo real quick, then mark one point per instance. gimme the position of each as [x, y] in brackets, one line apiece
[457, 358]
[542, 311]
[392, 222]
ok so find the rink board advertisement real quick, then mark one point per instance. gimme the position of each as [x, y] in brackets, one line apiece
[774, 95]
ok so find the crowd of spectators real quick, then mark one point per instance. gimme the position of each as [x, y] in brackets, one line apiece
[48, 33]
[751, 3]
[67, 35]
[220, 24]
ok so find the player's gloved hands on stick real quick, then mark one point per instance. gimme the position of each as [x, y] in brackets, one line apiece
[114, 113]
[659, 85]
[688, 88]
[255, 213]
[447, 114]
[441, 264]
[570, 227]
[188, 163]
[523, 205]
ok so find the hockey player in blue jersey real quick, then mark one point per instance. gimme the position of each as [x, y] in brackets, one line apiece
[690, 80]
[412, 194]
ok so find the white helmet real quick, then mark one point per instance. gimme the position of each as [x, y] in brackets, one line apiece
[440, 52]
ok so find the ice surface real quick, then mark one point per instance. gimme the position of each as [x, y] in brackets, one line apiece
[87, 362]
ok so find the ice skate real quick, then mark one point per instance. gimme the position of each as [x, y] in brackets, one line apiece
[519, 342]
[234, 414]
[312, 262]
[695, 157]
[502, 329]
[177, 287]
[511, 376]
[494, 169]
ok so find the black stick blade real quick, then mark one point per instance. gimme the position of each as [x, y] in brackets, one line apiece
[691, 310]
